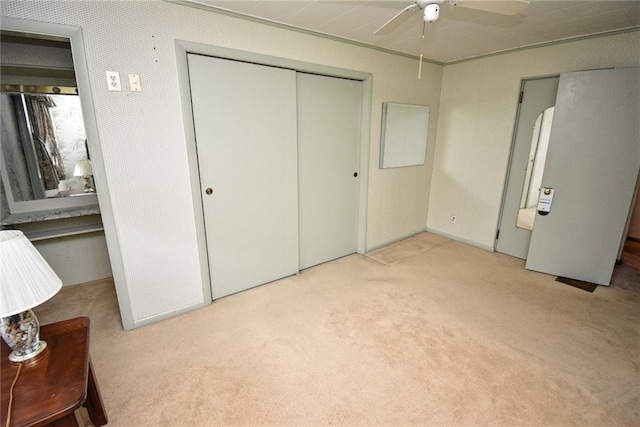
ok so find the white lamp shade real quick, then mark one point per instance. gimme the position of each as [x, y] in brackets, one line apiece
[83, 168]
[26, 279]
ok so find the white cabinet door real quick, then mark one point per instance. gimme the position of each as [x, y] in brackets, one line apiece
[329, 114]
[592, 164]
[245, 126]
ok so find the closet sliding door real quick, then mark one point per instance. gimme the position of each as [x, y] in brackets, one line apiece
[245, 127]
[329, 115]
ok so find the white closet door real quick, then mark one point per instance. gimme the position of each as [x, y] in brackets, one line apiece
[592, 163]
[245, 126]
[329, 114]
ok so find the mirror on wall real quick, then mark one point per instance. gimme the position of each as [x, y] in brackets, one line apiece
[43, 139]
[44, 156]
[535, 167]
[405, 129]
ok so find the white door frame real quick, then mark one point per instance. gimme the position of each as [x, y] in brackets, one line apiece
[184, 47]
[513, 239]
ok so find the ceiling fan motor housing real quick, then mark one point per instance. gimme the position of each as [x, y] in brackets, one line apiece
[430, 9]
[431, 12]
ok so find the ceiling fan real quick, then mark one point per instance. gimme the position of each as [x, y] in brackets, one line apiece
[431, 10]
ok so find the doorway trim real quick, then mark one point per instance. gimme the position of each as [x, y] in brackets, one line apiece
[74, 34]
[512, 154]
[182, 49]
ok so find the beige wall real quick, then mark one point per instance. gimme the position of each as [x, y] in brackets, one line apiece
[76, 256]
[477, 113]
[77, 259]
[143, 148]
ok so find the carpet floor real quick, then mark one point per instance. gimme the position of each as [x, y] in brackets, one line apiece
[427, 332]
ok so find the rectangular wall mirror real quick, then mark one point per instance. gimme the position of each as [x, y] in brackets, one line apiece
[405, 129]
[44, 141]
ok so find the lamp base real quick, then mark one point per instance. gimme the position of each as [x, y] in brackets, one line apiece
[21, 332]
[87, 184]
[16, 357]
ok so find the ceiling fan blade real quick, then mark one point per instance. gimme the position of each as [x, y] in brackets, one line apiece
[502, 7]
[398, 19]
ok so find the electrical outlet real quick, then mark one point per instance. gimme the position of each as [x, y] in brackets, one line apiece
[134, 83]
[113, 81]
[454, 219]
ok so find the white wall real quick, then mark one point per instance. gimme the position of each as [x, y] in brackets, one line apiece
[477, 112]
[144, 149]
[77, 259]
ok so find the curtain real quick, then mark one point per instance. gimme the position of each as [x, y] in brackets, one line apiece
[13, 151]
[51, 164]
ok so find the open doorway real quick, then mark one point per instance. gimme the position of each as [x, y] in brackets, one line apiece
[532, 128]
[578, 239]
[627, 271]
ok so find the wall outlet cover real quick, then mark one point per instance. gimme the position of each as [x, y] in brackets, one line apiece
[113, 81]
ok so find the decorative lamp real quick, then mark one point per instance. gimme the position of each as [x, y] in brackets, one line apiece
[83, 168]
[26, 280]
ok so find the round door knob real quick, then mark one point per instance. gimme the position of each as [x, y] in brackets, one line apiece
[355, 174]
[209, 191]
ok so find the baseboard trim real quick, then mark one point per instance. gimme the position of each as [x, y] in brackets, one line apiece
[458, 239]
[167, 315]
[392, 241]
[91, 282]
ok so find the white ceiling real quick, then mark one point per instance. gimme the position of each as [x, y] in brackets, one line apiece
[460, 33]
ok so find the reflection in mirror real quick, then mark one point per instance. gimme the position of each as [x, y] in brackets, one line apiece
[43, 138]
[43, 133]
[405, 129]
[535, 168]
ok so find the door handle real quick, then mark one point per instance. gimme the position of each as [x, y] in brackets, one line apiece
[209, 191]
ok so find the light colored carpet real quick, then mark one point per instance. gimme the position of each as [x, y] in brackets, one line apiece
[627, 274]
[424, 332]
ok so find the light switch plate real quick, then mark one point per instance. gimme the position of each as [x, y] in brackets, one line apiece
[134, 83]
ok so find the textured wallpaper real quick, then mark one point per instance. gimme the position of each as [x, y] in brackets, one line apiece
[143, 148]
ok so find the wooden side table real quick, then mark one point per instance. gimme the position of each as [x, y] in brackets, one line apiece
[51, 387]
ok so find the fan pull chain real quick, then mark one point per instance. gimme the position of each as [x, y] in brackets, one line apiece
[421, 51]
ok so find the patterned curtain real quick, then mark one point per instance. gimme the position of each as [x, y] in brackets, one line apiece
[51, 164]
